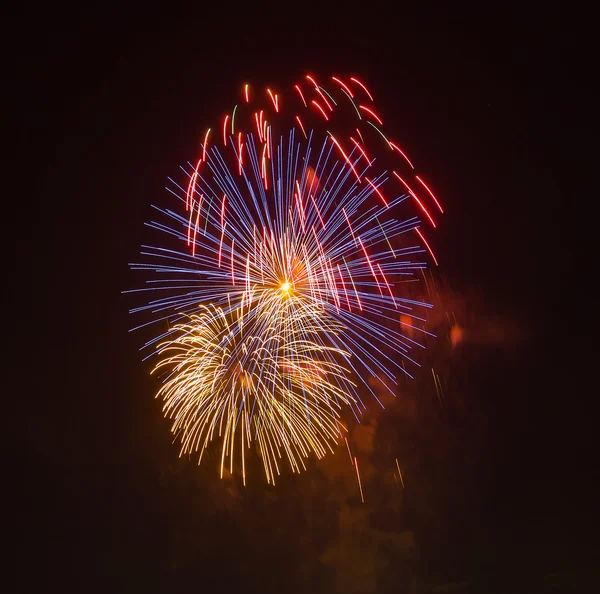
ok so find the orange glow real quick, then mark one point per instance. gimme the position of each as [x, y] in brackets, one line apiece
[312, 179]
[406, 323]
[457, 335]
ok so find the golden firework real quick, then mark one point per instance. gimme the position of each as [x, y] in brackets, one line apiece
[265, 376]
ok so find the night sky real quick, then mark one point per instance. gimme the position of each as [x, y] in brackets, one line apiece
[498, 494]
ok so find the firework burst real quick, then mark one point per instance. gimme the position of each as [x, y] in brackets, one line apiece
[256, 380]
[281, 285]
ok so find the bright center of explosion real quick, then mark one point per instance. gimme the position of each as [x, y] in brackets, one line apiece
[285, 287]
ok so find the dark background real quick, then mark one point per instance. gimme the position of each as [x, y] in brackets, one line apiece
[108, 104]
